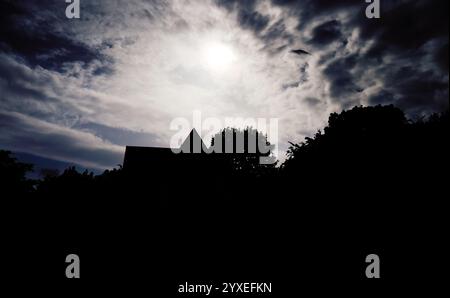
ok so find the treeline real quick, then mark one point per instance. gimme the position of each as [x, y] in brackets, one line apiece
[367, 143]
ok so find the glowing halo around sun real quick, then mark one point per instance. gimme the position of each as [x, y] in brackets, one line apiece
[219, 56]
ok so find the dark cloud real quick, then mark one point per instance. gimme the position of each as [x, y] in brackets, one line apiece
[441, 57]
[421, 91]
[326, 33]
[35, 33]
[382, 98]
[407, 25]
[308, 10]
[407, 54]
[342, 83]
[277, 31]
[249, 18]
[409, 32]
[253, 20]
[312, 101]
[35, 93]
[300, 52]
[247, 15]
[291, 85]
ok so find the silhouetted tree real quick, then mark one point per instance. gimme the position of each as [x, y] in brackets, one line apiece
[246, 158]
[368, 134]
[13, 175]
[47, 172]
[371, 150]
[358, 138]
[70, 182]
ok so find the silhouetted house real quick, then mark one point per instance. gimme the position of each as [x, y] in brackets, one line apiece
[151, 160]
[190, 178]
[193, 157]
[162, 173]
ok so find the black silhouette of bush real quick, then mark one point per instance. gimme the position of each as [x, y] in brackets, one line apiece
[372, 147]
[245, 164]
[69, 182]
[13, 175]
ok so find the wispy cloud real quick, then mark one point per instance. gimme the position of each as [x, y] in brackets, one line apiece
[30, 135]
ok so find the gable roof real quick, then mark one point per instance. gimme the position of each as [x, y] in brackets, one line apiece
[136, 156]
[193, 143]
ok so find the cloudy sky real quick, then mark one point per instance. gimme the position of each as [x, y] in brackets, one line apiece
[79, 90]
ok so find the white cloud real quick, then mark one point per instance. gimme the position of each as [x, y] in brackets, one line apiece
[30, 135]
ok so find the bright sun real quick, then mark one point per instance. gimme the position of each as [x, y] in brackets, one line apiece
[219, 56]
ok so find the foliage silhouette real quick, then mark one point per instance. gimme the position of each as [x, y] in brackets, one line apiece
[70, 181]
[13, 175]
[369, 142]
[360, 146]
[367, 181]
[244, 164]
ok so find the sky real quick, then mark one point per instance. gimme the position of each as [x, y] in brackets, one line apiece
[80, 90]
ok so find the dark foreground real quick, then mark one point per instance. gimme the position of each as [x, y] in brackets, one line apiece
[306, 229]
